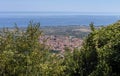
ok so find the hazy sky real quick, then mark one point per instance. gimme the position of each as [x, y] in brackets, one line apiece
[60, 5]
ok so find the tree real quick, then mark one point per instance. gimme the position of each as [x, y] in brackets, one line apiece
[99, 55]
[92, 26]
[21, 53]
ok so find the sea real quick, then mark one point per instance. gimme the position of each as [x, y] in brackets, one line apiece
[23, 19]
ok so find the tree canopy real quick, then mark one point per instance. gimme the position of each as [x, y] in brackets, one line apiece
[21, 54]
[100, 53]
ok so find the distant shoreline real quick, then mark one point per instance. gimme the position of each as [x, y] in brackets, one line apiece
[57, 20]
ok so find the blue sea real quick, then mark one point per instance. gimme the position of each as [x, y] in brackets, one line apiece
[22, 20]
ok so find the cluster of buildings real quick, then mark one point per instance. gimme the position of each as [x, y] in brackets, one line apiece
[60, 43]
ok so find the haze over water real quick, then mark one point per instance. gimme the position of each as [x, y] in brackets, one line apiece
[8, 19]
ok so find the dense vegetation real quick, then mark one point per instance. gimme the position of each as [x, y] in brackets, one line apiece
[100, 54]
[21, 54]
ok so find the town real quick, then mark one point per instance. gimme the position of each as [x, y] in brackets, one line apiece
[60, 43]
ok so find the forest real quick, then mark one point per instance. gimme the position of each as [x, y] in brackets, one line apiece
[21, 54]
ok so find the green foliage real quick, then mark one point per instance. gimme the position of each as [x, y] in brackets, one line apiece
[21, 53]
[107, 42]
[92, 26]
[99, 55]
[73, 62]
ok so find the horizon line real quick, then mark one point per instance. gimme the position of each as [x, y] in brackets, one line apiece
[60, 12]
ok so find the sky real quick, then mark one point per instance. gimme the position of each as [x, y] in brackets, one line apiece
[111, 6]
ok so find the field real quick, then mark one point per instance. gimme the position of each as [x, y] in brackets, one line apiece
[72, 30]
